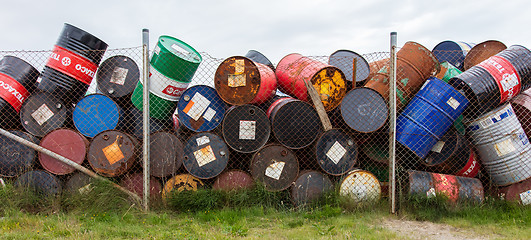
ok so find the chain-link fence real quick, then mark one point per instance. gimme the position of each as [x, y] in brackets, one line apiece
[461, 127]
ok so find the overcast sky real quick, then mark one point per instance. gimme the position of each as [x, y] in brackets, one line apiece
[275, 28]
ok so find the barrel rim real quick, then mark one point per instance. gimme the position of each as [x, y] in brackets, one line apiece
[180, 42]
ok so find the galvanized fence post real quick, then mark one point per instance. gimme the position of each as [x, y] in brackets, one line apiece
[392, 124]
[145, 117]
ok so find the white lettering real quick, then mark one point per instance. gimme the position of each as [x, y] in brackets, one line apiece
[469, 170]
[55, 56]
[12, 90]
[84, 70]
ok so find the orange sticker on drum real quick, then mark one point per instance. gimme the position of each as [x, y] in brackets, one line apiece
[113, 153]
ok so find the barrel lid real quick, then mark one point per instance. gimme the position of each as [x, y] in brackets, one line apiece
[275, 166]
[344, 60]
[336, 152]
[453, 52]
[181, 182]
[42, 113]
[82, 42]
[205, 155]
[233, 180]
[16, 158]
[166, 154]
[364, 110]
[111, 153]
[179, 49]
[67, 143]
[96, 113]
[309, 186]
[237, 80]
[246, 128]
[40, 182]
[482, 51]
[361, 187]
[200, 108]
[117, 76]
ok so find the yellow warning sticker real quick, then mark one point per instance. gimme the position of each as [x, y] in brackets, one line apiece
[239, 66]
[113, 153]
[236, 80]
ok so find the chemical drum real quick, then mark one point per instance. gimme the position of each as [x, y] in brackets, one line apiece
[181, 182]
[134, 182]
[233, 180]
[447, 72]
[18, 79]
[201, 109]
[275, 166]
[117, 77]
[352, 64]
[456, 188]
[246, 128]
[112, 153]
[360, 187]
[294, 123]
[79, 182]
[336, 152]
[502, 145]
[96, 113]
[42, 113]
[205, 155]
[518, 192]
[258, 57]
[72, 64]
[453, 52]
[239, 80]
[294, 70]
[67, 143]
[16, 158]
[40, 182]
[364, 110]
[308, 187]
[172, 67]
[481, 52]
[166, 154]
[428, 116]
[522, 108]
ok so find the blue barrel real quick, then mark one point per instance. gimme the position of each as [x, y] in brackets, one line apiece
[429, 115]
[96, 113]
[452, 52]
[200, 108]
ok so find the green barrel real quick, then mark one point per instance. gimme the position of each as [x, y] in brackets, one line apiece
[172, 68]
[449, 71]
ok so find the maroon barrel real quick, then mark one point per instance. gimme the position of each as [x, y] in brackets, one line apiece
[166, 154]
[275, 166]
[67, 143]
[233, 180]
[519, 192]
[481, 52]
[522, 108]
[135, 183]
[112, 153]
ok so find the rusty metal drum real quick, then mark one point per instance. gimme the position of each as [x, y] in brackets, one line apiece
[112, 153]
[309, 187]
[205, 155]
[181, 182]
[455, 188]
[336, 152]
[360, 187]
[233, 180]
[166, 154]
[481, 52]
[519, 192]
[67, 143]
[275, 166]
[522, 108]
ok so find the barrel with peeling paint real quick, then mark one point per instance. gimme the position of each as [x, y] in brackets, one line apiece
[205, 155]
[200, 108]
[179, 183]
[360, 187]
[166, 154]
[112, 153]
[275, 166]
[518, 192]
[455, 188]
[481, 52]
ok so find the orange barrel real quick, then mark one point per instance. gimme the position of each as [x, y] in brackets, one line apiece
[232, 180]
[519, 192]
[40, 182]
[275, 166]
[294, 123]
[352, 64]
[117, 77]
[309, 186]
[16, 158]
[239, 80]
[246, 128]
[522, 108]
[375, 66]
[79, 182]
[181, 182]
[42, 113]
[112, 153]
[135, 183]
[336, 152]
[67, 143]
[360, 187]
[455, 188]
[294, 69]
[480, 52]
[166, 154]
[205, 155]
[415, 63]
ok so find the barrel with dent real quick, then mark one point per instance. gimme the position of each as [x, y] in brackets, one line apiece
[96, 113]
[112, 153]
[205, 155]
[239, 80]
[426, 184]
[336, 152]
[502, 145]
[16, 158]
[72, 64]
[200, 108]
[428, 116]
[453, 52]
[360, 187]
[172, 67]
[275, 166]
[117, 77]
[18, 79]
[43, 112]
[246, 128]
[67, 143]
[294, 70]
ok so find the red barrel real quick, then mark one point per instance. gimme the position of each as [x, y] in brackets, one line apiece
[294, 69]
[112, 153]
[275, 166]
[455, 188]
[72, 64]
[135, 183]
[239, 80]
[67, 143]
[233, 180]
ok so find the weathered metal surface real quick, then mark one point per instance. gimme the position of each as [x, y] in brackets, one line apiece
[112, 153]
[67, 143]
[522, 108]
[42, 113]
[454, 187]
[233, 180]
[360, 187]
[117, 77]
[309, 186]
[353, 65]
[481, 52]
[16, 158]
[336, 152]
[205, 155]
[364, 110]
[519, 192]
[166, 154]
[40, 182]
[78, 183]
[181, 182]
[246, 128]
[135, 183]
[275, 166]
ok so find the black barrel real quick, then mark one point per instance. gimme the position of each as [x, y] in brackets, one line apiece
[275, 166]
[72, 64]
[309, 186]
[205, 155]
[40, 182]
[166, 154]
[17, 80]
[42, 113]
[79, 183]
[16, 158]
[364, 110]
[495, 80]
[117, 77]
[134, 123]
[246, 128]
[336, 152]
[259, 58]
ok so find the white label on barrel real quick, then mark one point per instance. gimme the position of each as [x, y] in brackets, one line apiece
[505, 147]
[509, 81]
[275, 170]
[204, 156]
[336, 152]
[247, 130]
[42, 114]
[202, 140]
[525, 197]
[486, 123]
[236, 80]
[197, 106]
[453, 103]
[438, 147]
[85, 189]
[209, 114]
[430, 193]
[119, 75]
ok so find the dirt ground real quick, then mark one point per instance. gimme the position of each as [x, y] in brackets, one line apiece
[429, 230]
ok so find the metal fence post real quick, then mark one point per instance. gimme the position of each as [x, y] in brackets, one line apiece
[145, 116]
[392, 124]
